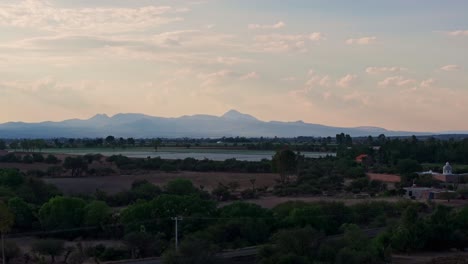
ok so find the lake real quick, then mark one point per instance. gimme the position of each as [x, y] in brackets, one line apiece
[199, 154]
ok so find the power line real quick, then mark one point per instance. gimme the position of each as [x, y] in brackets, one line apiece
[89, 228]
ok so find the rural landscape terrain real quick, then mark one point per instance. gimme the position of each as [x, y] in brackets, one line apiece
[233, 131]
[314, 200]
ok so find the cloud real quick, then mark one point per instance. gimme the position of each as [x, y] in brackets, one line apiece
[317, 36]
[397, 81]
[361, 41]
[317, 80]
[42, 15]
[213, 78]
[427, 83]
[232, 60]
[249, 76]
[276, 43]
[377, 70]
[458, 33]
[451, 67]
[346, 81]
[278, 25]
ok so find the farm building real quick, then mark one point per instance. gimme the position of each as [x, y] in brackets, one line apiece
[447, 175]
[424, 193]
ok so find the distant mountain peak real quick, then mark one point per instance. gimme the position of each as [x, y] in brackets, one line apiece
[100, 117]
[236, 115]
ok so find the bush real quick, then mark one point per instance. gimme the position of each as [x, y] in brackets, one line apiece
[114, 253]
[166, 167]
[55, 171]
[51, 159]
[28, 159]
[37, 157]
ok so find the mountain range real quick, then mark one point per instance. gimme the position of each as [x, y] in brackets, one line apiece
[231, 124]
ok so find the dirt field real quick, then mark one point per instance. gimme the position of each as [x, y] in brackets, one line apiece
[432, 258]
[272, 201]
[113, 184]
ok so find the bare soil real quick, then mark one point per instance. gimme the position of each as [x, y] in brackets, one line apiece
[114, 184]
[272, 201]
[432, 258]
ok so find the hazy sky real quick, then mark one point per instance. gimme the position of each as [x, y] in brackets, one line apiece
[398, 64]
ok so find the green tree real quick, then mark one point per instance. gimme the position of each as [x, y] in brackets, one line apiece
[192, 251]
[11, 178]
[284, 163]
[3, 145]
[77, 165]
[180, 187]
[62, 213]
[24, 215]
[96, 213]
[7, 220]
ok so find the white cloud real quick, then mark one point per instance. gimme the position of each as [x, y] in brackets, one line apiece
[278, 25]
[398, 81]
[346, 81]
[451, 67]
[317, 36]
[276, 43]
[427, 83]
[42, 15]
[316, 80]
[214, 77]
[232, 60]
[377, 70]
[249, 76]
[458, 33]
[361, 41]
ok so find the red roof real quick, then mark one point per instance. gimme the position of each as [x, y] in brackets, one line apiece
[392, 178]
[361, 157]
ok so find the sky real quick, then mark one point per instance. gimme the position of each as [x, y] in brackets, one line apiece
[398, 64]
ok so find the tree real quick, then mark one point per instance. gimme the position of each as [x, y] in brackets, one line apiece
[49, 247]
[143, 244]
[11, 178]
[110, 140]
[156, 143]
[3, 145]
[192, 251]
[405, 166]
[24, 216]
[180, 187]
[284, 162]
[51, 159]
[62, 213]
[96, 213]
[7, 220]
[77, 165]
[14, 145]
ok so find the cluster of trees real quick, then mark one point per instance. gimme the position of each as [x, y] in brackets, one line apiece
[295, 232]
[299, 175]
[190, 164]
[29, 158]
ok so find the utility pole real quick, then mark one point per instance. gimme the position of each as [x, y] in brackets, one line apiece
[3, 249]
[177, 219]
